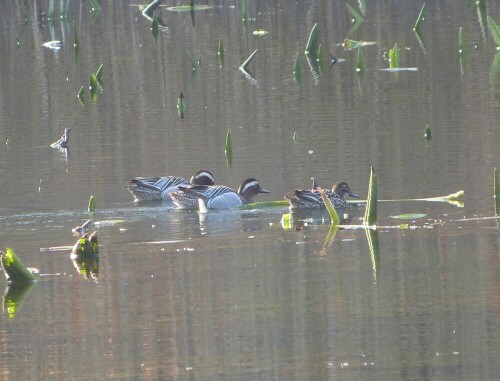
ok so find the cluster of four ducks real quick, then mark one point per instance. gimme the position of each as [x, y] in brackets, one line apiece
[201, 191]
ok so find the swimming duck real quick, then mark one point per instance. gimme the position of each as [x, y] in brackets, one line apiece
[63, 140]
[223, 197]
[312, 198]
[86, 246]
[159, 188]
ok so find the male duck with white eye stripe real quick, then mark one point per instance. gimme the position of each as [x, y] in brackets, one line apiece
[312, 198]
[160, 188]
[222, 197]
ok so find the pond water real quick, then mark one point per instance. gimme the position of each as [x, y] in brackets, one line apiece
[233, 294]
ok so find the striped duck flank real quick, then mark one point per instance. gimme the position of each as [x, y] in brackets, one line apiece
[160, 188]
[223, 197]
[312, 198]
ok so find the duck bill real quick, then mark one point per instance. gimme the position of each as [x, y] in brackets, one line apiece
[353, 195]
[262, 190]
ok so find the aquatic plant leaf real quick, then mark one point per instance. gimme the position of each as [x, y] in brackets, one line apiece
[360, 62]
[245, 64]
[81, 95]
[495, 30]
[357, 19]
[228, 149]
[265, 204]
[287, 221]
[181, 106]
[353, 44]
[409, 216]
[245, 16]
[76, 36]
[220, 50]
[371, 205]
[319, 57]
[40, 186]
[14, 269]
[98, 74]
[420, 19]
[334, 217]
[195, 64]
[93, 86]
[312, 42]
[394, 57]
[295, 137]
[428, 132]
[91, 206]
[462, 50]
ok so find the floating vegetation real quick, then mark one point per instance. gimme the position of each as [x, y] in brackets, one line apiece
[40, 186]
[81, 95]
[334, 217]
[319, 58]
[91, 206]
[14, 269]
[181, 106]
[428, 132]
[297, 69]
[360, 61]
[356, 19]
[295, 137]
[394, 57]
[312, 42]
[260, 32]
[228, 149]
[353, 44]
[371, 205]
[190, 7]
[495, 31]
[481, 15]
[420, 19]
[93, 86]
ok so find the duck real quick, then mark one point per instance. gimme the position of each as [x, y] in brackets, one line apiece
[87, 245]
[221, 196]
[312, 198]
[160, 188]
[63, 140]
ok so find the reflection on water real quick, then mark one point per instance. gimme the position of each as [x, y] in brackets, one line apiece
[180, 295]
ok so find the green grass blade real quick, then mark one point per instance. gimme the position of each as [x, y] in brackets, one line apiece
[245, 64]
[334, 217]
[420, 19]
[371, 206]
[93, 86]
[14, 269]
[91, 207]
[312, 42]
[265, 204]
[495, 30]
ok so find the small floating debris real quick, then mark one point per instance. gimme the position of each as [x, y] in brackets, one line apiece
[55, 44]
